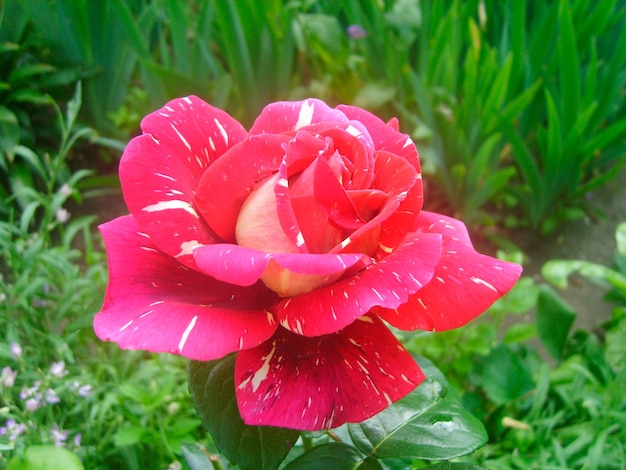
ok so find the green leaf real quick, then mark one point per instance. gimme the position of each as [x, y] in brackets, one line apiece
[554, 320]
[128, 436]
[620, 238]
[334, 455]
[49, 457]
[557, 272]
[212, 389]
[427, 424]
[455, 466]
[569, 73]
[196, 457]
[9, 130]
[504, 376]
[520, 333]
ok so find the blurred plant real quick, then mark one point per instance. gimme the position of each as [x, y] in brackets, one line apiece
[566, 412]
[90, 38]
[570, 138]
[494, 87]
[614, 279]
[59, 387]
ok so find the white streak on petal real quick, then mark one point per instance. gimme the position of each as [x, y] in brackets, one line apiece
[174, 204]
[483, 283]
[222, 131]
[353, 131]
[299, 239]
[186, 248]
[261, 374]
[306, 115]
[186, 333]
[127, 325]
[180, 136]
[165, 176]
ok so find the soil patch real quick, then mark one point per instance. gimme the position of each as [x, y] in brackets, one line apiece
[591, 239]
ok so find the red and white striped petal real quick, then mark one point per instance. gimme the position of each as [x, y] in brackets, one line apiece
[228, 182]
[465, 283]
[384, 135]
[290, 116]
[325, 381]
[387, 137]
[160, 171]
[154, 303]
[396, 178]
[388, 283]
[287, 274]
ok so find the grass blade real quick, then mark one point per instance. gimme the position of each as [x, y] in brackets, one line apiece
[569, 72]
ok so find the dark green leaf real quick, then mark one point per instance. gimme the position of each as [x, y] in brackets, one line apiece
[554, 320]
[504, 375]
[213, 392]
[335, 456]
[427, 424]
[455, 466]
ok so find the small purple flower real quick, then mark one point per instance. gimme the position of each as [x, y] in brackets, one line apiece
[7, 378]
[65, 190]
[82, 390]
[33, 403]
[62, 215]
[77, 439]
[52, 397]
[13, 430]
[27, 392]
[16, 350]
[58, 436]
[58, 369]
[356, 31]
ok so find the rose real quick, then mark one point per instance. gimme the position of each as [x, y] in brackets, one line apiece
[291, 245]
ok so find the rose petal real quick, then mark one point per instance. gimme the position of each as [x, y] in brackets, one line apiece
[154, 303]
[227, 183]
[289, 116]
[386, 137]
[395, 177]
[160, 171]
[243, 266]
[322, 207]
[323, 382]
[388, 283]
[352, 140]
[465, 283]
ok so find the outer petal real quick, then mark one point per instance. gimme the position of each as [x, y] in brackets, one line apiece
[243, 266]
[465, 283]
[160, 171]
[388, 283]
[289, 116]
[323, 382]
[154, 303]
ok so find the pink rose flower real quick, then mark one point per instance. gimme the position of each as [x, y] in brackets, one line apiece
[291, 245]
